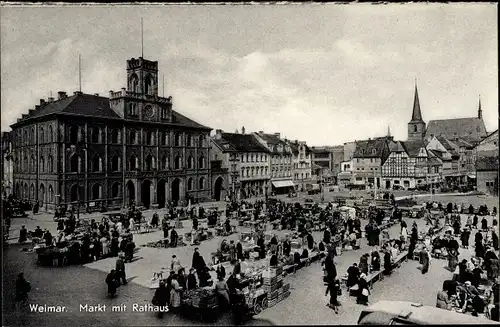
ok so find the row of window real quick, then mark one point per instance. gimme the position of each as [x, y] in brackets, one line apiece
[280, 160]
[301, 165]
[254, 171]
[96, 164]
[253, 157]
[302, 176]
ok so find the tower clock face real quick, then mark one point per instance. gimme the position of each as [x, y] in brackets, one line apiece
[148, 112]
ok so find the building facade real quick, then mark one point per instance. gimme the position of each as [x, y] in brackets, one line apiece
[488, 147]
[281, 162]
[222, 151]
[302, 165]
[487, 175]
[254, 163]
[95, 151]
[409, 165]
[367, 161]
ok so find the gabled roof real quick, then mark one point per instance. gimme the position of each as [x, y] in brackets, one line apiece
[469, 129]
[95, 106]
[244, 142]
[438, 154]
[295, 148]
[413, 147]
[396, 147]
[487, 164]
[377, 148]
[463, 143]
[224, 145]
[276, 144]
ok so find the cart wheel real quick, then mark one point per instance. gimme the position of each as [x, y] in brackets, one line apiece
[264, 303]
[257, 308]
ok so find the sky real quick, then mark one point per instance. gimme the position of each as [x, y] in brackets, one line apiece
[321, 73]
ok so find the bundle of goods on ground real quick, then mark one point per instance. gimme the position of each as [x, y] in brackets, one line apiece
[202, 301]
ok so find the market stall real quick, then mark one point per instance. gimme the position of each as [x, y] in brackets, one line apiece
[201, 302]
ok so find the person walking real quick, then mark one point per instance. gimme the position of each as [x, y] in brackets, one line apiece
[160, 299]
[120, 270]
[175, 294]
[112, 282]
[333, 289]
[363, 291]
[426, 260]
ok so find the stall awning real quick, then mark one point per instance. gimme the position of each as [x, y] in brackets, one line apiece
[279, 184]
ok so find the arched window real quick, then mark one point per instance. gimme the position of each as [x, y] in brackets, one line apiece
[202, 183]
[96, 163]
[201, 140]
[177, 139]
[134, 83]
[73, 135]
[177, 164]
[190, 184]
[74, 163]
[51, 194]
[415, 128]
[32, 191]
[150, 162]
[133, 137]
[189, 140]
[33, 164]
[51, 134]
[41, 138]
[201, 162]
[32, 136]
[150, 137]
[96, 191]
[132, 163]
[148, 85]
[115, 190]
[132, 109]
[115, 163]
[94, 134]
[42, 164]
[115, 136]
[51, 164]
[190, 162]
[164, 138]
[248, 172]
[25, 139]
[26, 164]
[164, 163]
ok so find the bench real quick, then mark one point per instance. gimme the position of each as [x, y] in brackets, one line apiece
[290, 268]
[370, 279]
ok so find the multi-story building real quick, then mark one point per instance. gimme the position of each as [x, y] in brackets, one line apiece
[367, 161]
[322, 164]
[7, 173]
[487, 175]
[488, 147]
[253, 164]
[409, 165]
[281, 162]
[346, 175]
[349, 148]
[302, 164]
[337, 159]
[222, 151]
[97, 151]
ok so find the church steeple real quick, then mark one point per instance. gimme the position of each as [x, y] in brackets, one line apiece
[479, 110]
[417, 114]
[416, 126]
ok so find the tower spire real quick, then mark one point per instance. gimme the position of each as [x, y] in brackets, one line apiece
[388, 130]
[417, 114]
[479, 110]
[80, 72]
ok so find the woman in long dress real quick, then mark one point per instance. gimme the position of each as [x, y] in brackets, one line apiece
[175, 294]
[105, 246]
[426, 260]
[363, 291]
[452, 259]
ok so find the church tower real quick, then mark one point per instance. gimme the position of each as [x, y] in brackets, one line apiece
[479, 110]
[142, 76]
[416, 126]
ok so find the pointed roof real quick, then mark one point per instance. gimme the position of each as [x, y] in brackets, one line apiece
[417, 114]
[388, 130]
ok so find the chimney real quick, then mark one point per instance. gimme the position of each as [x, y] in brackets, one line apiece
[110, 94]
[61, 95]
[261, 132]
[243, 130]
[218, 134]
[50, 99]
[42, 102]
[37, 107]
[277, 135]
[96, 94]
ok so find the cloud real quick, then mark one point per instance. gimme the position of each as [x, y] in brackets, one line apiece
[343, 75]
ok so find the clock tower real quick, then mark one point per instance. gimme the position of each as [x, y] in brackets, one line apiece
[139, 100]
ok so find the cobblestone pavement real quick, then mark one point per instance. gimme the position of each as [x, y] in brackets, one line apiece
[72, 286]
